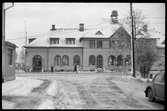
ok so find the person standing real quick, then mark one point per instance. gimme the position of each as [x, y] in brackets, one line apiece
[51, 68]
[75, 68]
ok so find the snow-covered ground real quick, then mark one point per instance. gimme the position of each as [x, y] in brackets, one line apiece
[20, 86]
[76, 91]
[134, 87]
[17, 88]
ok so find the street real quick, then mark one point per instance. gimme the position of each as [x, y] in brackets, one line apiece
[79, 91]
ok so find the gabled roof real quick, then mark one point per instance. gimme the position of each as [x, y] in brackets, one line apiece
[106, 29]
[103, 31]
[11, 44]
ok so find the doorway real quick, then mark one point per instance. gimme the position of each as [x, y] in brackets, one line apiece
[37, 63]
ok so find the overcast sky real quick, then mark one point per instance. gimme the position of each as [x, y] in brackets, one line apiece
[38, 17]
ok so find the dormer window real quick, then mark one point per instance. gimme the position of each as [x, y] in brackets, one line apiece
[30, 40]
[70, 40]
[99, 33]
[54, 40]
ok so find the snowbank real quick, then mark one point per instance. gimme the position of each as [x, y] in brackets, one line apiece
[21, 86]
[52, 89]
[7, 104]
[138, 77]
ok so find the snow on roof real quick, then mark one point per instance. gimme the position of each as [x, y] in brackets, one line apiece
[11, 44]
[160, 39]
[106, 29]
[61, 34]
[151, 34]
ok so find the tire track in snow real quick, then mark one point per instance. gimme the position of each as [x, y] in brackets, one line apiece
[88, 102]
[125, 99]
[106, 96]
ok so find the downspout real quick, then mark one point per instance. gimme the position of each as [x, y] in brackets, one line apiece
[47, 56]
[3, 43]
[82, 58]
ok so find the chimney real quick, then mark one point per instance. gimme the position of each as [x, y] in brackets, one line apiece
[114, 17]
[81, 27]
[145, 28]
[53, 27]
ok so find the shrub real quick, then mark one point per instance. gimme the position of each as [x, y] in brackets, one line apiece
[145, 56]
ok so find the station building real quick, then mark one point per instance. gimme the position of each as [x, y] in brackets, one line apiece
[105, 46]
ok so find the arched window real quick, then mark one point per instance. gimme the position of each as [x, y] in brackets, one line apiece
[111, 60]
[92, 60]
[65, 60]
[100, 61]
[119, 60]
[76, 60]
[57, 60]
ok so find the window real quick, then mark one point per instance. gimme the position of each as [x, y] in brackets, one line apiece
[99, 44]
[76, 60]
[112, 43]
[92, 60]
[159, 78]
[57, 60]
[92, 43]
[70, 40]
[65, 60]
[111, 60]
[31, 39]
[54, 40]
[99, 33]
[119, 60]
[99, 61]
[10, 56]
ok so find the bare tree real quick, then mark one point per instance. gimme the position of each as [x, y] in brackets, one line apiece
[139, 21]
[145, 56]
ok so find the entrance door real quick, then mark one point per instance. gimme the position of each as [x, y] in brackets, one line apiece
[99, 61]
[37, 63]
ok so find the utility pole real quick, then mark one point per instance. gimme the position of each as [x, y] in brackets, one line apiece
[25, 43]
[134, 25]
[132, 45]
[25, 33]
